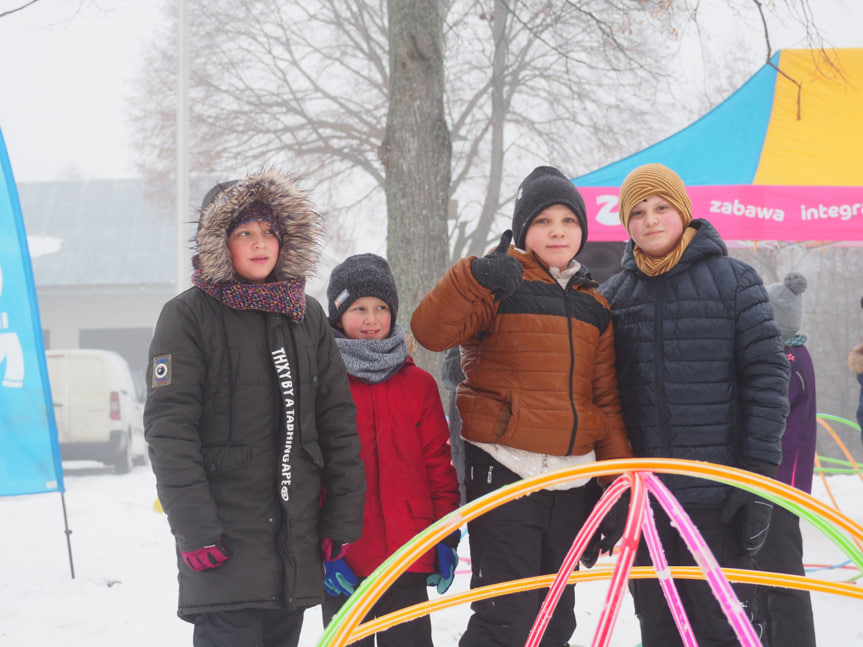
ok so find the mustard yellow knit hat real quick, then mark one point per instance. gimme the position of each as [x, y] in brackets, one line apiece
[653, 179]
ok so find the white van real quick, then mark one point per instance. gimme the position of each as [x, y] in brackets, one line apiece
[99, 414]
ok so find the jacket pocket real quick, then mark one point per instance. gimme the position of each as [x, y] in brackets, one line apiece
[223, 459]
[421, 510]
[506, 424]
[312, 451]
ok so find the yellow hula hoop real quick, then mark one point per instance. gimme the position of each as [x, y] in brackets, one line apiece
[598, 573]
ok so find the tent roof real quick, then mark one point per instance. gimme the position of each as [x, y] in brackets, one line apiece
[762, 135]
[781, 159]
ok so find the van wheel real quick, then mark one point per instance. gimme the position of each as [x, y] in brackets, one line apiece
[123, 462]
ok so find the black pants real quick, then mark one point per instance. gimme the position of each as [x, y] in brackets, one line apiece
[409, 589]
[706, 616]
[248, 628]
[526, 537]
[787, 612]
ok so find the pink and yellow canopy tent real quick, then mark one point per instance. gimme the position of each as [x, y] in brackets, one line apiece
[781, 159]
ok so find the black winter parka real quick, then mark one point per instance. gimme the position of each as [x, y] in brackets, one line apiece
[214, 436]
[700, 364]
[249, 416]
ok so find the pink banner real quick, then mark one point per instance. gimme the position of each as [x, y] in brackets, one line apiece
[751, 212]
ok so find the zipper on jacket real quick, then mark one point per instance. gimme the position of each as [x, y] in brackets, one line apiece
[230, 375]
[659, 355]
[566, 302]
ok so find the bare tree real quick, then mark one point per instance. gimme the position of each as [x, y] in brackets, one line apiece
[8, 12]
[416, 144]
[575, 84]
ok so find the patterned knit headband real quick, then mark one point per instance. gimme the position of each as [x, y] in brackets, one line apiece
[253, 213]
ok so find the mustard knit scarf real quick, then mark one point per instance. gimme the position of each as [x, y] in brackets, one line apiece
[654, 266]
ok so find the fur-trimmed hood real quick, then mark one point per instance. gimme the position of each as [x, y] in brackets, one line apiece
[855, 359]
[300, 223]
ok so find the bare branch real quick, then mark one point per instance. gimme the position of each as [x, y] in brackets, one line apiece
[17, 9]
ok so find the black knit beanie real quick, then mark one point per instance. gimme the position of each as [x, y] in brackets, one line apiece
[544, 187]
[361, 275]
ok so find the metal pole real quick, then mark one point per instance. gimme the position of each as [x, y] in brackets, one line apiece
[68, 535]
[182, 162]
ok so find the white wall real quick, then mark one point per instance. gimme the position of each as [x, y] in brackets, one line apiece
[65, 313]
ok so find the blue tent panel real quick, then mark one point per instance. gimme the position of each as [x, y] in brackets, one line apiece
[697, 153]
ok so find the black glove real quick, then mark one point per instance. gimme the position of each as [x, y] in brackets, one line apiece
[752, 516]
[498, 271]
[609, 532]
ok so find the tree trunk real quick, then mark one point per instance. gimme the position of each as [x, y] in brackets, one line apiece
[482, 238]
[416, 155]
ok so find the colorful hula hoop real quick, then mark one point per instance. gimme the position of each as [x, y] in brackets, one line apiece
[843, 531]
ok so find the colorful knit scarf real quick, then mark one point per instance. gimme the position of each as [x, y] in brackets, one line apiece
[286, 297]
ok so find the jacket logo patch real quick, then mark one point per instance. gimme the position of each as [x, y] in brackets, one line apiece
[161, 371]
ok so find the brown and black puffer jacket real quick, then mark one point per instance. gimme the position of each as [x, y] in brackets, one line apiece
[216, 425]
[539, 363]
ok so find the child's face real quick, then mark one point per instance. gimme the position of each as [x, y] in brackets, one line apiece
[656, 226]
[554, 236]
[254, 250]
[367, 318]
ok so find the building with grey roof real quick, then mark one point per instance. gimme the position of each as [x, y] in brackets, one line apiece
[103, 258]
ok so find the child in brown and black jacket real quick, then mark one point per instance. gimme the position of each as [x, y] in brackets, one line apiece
[540, 393]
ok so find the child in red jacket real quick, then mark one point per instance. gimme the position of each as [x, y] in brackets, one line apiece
[410, 479]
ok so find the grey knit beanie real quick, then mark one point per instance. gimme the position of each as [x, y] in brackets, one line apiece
[544, 187]
[361, 275]
[786, 298]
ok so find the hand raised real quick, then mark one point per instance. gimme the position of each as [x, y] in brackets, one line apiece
[497, 270]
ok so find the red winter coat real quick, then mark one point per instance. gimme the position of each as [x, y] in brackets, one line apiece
[410, 480]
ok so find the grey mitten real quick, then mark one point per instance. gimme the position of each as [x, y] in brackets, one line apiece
[498, 271]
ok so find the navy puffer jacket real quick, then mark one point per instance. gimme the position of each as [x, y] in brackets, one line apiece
[700, 363]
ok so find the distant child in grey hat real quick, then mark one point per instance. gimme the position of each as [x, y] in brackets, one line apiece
[539, 394]
[410, 480]
[786, 299]
[787, 613]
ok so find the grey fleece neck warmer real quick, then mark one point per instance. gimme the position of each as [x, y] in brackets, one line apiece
[374, 360]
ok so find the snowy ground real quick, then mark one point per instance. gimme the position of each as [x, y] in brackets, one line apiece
[124, 590]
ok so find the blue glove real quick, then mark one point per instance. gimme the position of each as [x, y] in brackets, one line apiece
[446, 559]
[339, 579]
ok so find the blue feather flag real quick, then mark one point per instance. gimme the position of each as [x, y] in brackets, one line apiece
[30, 461]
